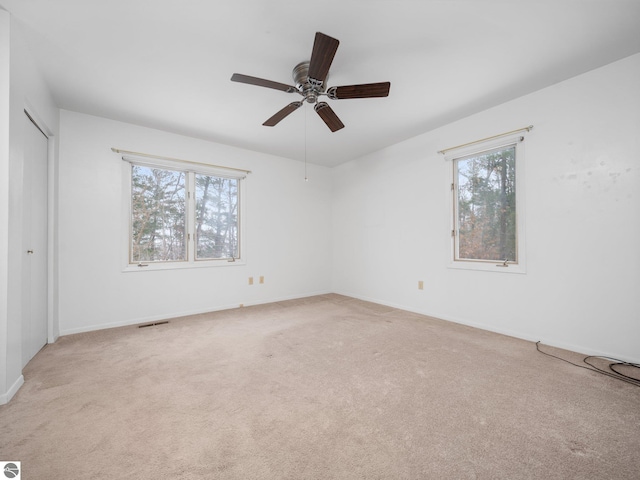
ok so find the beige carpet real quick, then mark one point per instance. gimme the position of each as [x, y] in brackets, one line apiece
[326, 387]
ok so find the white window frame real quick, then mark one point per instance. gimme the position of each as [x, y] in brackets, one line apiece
[191, 169]
[451, 156]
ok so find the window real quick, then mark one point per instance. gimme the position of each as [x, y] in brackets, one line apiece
[182, 216]
[487, 231]
[216, 217]
[158, 215]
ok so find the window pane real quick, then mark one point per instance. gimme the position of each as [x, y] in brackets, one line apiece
[216, 217]
[157, 215]
[486, 205]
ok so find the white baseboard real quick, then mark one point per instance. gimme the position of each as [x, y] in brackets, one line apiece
[6, 397]
[185, 313]
[508, 332]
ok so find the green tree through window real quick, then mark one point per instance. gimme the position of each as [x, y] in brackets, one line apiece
[158, 208]
[183, 216]
[486, 205]
[216, 217]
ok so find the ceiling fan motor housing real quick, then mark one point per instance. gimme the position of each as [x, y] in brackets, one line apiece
[309, 90]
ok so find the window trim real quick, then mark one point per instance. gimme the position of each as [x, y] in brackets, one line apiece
[454, 154]
[191, 169]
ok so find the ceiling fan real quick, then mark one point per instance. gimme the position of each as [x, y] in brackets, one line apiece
[310, 77]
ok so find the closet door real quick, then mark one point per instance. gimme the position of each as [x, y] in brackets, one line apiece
[34, 225]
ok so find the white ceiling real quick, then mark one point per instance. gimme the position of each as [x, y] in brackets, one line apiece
[167, 64]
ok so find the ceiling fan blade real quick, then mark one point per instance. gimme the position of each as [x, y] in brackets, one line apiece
[324, 49]
[368, 90]
[273, 121]
[261, 82]
[329, 116]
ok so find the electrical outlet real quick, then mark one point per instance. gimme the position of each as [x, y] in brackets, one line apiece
[420, 285]
[250, 280]
[261, 279]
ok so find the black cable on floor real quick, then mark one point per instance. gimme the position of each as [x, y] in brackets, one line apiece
[626, 364]
[616, 375]
[614, 361]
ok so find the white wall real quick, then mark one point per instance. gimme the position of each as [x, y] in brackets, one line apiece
[287, 230]
[581, 289]
[26, 89]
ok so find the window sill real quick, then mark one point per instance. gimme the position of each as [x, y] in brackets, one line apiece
[483, 266]
[154, 267]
